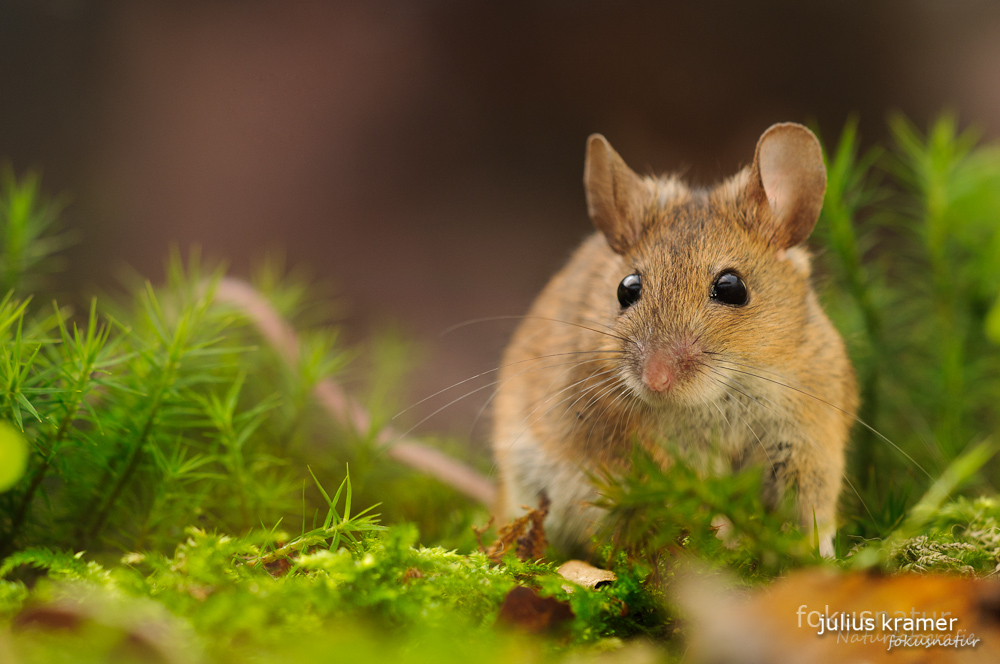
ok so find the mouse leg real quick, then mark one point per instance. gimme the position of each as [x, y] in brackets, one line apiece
[813, 468]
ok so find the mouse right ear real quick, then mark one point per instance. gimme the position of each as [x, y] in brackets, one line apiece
[614, 194]
[788, 176]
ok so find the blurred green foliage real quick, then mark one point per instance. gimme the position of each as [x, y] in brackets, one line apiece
[909, 245]
[30, 233]
[146, 418]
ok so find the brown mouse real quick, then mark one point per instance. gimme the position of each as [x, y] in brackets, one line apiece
[689, 317]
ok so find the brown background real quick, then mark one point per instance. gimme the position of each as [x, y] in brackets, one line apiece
[427, 156]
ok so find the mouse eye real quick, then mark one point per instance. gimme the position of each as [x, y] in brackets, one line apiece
[729, 289]
[629, 290]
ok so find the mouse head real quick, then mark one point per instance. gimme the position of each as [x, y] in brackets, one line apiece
[708, 280]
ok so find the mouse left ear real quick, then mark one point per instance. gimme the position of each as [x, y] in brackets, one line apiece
[788, 176]
[615, 195]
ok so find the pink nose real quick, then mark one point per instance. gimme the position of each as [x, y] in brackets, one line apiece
[660, 371]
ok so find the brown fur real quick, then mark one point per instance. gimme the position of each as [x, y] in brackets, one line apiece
[572, 399]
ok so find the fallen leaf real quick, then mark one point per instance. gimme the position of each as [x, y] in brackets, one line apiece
[526, 610]
[586, 575]
[524, 535]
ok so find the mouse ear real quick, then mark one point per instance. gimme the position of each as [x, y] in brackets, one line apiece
[789, 177]
[614, 194]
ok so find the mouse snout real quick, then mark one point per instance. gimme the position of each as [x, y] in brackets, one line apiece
[659, 371]
[664, 366]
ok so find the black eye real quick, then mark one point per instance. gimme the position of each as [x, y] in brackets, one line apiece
[629, 290]
[729, 289]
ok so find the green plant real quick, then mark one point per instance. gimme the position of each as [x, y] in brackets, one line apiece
[30, 235]
[145, 419]
[911, 244]
[656, 514]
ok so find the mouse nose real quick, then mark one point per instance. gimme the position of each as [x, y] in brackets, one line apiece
[660, 371]
[665, 366]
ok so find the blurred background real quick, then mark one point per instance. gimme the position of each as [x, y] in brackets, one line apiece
[426, 157]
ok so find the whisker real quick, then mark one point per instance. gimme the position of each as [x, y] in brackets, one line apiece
[597, 397]
[528, 424]
[608, 386]
[598, 385]
[482, 409]
[627, 419]
[824, 401]
[551, 320]
[606, 408]
[626, 394]
[722, 358]
[743, 419]
[582, 395]
[607, 390]
[568, 387]
[502, 366]
[804, 436]
[494, 383]
[722, 412]
[497, 391]
[618, 382]
[642, 406]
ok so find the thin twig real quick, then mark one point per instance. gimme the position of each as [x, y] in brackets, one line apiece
[345, 410]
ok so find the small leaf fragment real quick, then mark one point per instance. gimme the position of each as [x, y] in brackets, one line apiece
[586, 575]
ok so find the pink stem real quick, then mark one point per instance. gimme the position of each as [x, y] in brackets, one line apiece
[348, 412]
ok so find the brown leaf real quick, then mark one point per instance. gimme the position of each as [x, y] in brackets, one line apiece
[585, 574]
[524, 535]
[526, 610]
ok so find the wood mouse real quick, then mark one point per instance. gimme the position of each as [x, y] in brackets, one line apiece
[689, 317]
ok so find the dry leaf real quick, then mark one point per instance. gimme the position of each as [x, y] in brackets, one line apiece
[526, 610]
[585, 574]
[524, 535]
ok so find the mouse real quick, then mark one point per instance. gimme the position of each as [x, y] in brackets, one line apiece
[687, 316]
